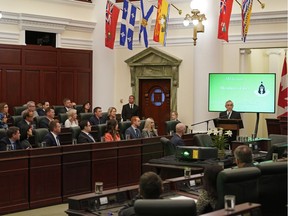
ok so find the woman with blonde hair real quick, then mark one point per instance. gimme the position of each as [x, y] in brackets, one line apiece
[149, 129]
[112, 133]
[72, 119]
[111, 113]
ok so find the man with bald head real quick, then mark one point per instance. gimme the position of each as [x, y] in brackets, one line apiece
[243, 156]
[177, 137]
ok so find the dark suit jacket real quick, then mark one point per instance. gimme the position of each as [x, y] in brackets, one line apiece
[177, 141]
[127, 112]
[234, 115]
[50, 140]
[95, 121]
[41, 112]
[132, 133]
[6, 141]
[84, 138]
[62, 110]
[44, 123]
[23, 128]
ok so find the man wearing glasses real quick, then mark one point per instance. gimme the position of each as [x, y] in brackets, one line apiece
[229, 113]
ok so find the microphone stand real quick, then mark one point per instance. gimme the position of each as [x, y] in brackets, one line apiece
[207, 122]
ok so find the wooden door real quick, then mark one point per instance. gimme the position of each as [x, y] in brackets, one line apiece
[154, 101]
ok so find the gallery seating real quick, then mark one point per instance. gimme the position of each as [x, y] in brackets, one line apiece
[18, 110]
[85, 116]
[122, 128]
[168, 147]
[16, 119]
[62, 118]
[39, 134]
[170, 126]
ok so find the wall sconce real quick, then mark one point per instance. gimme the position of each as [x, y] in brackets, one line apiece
[196, 18]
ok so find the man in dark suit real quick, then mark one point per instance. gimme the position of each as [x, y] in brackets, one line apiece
[177, 137]
[130, 109]
[25, 125]
[49, 116]
[97, 118]
[243, 156]
[133, 132]
[67, 106]
[150, 187]
[85, 136]
[229, 113]
[52, 138]
[12, 138]
[41, 111]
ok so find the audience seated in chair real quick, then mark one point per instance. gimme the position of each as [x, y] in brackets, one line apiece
[177, 137]
[85, 136]
[49, 116]
[31, 107]
[149, 128]
[12, 138]
[85, 108]
[52, 138]
[243, 156]
[67, 106]
[41, 111]
[25, 126]
[72, 120]
[112, 131]
[170, 127]
[150, 187]
[133, 131]
[97, 117]
[4, 115]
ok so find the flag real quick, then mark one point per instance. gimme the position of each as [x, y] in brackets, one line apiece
[160, 30]
[246, 14]
[112, 13]
[224, 18]
[144, 21]
[283, 89]
[128, 21]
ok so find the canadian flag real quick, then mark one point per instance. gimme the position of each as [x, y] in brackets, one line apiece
[283, 89]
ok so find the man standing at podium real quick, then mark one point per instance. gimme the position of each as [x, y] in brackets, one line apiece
[230, 114]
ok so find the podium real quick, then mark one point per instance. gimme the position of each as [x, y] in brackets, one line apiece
[229, 124]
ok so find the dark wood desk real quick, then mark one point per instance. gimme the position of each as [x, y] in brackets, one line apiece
[249, 209]
[262, 143]
[45, 176]
[14, 189]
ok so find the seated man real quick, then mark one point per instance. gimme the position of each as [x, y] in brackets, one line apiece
[180, 131]
[67, 106]
[97, 118]
[52, 138]
[243, 156]
[26, 125]
[12, 138]
[50, 114]
[41, 111]
[150, 187]
[85, 136]
[31, 107]
[133, 131]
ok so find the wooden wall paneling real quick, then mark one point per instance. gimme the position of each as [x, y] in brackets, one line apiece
[45, 177]
[129, 162]
[76, 170]
[31, 85]
[66, 85]
[10, 55]
[104, 164]
[48, 85]
[70, 58]
[83, 87]
[11, 85]
[40, 56]
[14, 194]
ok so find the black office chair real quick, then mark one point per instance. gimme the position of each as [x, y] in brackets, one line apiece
[101, 129]
[39, 134]
[62, 117]
[272, 186]
[142, 124]
[38, 119]
[16, 119]
[75, 131]
[165, 207]
[203, 140]
[78, 107]
[104, 115]
[58, 109]
[169, 148]
[2, 133]
[170, 126]
[239, 182]
[122, 128]
[85, 116]
[18, 110]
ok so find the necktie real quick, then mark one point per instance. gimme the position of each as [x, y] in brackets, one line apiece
[229, 114]
[137, 132]
[91, 137]
[57, 141]
[131, 106]
[13, 146]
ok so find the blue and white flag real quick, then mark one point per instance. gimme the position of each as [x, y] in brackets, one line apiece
[128, 22]
[144, 22]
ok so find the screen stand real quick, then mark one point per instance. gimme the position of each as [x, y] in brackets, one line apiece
[256, 125]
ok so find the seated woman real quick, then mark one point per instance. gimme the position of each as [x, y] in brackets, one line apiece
[86, 108]
[207, 199]
[112, 133]
[174, 116]
[72, 119]
[149, 129]
[4, 115]
[111, 113]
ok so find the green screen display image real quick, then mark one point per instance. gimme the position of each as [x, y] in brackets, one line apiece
[253, 92]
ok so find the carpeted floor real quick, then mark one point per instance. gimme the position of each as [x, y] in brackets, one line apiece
[56, 210]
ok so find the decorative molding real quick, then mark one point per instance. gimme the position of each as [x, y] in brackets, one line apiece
[9, 37]
[76, 43]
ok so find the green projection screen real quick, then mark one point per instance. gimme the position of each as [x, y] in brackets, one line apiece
[253, 92]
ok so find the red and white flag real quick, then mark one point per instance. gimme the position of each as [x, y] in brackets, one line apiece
[112, 13]
[224, 18]
[283, 89]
